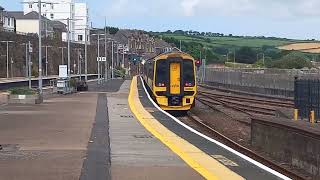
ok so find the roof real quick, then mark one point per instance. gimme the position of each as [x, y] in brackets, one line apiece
[59, 25]
[1, 8]
[30, 16]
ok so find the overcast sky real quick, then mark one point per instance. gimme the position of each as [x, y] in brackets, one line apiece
[281, 18]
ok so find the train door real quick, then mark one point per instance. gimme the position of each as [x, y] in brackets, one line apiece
[175, 78]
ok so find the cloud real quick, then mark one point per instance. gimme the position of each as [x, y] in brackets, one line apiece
[281, 9]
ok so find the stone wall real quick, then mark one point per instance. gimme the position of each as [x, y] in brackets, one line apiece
[296, 143]
[17, 53]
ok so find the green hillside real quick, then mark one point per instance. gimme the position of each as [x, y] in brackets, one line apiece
[230, 41]
[219, 48]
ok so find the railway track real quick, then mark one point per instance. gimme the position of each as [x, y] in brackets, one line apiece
[245, 104]
[201, 125]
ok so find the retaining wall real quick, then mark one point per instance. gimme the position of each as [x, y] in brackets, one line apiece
[294, 142]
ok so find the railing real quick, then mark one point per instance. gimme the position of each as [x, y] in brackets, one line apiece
[307, 98]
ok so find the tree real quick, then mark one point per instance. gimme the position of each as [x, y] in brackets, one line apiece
[294, 60]
[246, 55]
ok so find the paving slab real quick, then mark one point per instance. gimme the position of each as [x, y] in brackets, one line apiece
[47, 141]
[135, 153]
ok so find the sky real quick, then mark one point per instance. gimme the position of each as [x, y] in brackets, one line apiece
[296, 19]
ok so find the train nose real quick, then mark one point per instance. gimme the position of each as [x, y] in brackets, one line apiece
[175, 101]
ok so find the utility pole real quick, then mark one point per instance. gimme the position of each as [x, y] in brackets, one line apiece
[7, 55]
[11, 67]
[122, 57]
[46, 47]
[62, 55]
[26, 56]
[86, 54]
[112, 63]
[118, 55]
[234, 58]
[29, 65]
[105, 50]
[98, 58]
[68, 39]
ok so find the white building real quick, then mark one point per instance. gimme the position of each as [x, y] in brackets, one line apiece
[61, 10]
[29, 23]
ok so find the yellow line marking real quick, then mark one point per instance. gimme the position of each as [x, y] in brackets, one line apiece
[204, 164]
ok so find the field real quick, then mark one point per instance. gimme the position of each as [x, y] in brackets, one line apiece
[304, 47]
[232, 41]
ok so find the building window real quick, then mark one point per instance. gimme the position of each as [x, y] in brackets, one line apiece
[52, 16]
[80, 38]
[52, 7]
[9, 21]
[30, 6]
[44, 5]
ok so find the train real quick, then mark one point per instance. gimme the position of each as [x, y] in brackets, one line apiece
[171, 79]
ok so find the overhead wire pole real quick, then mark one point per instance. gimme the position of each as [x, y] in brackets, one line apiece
[122, 57]
[26, 56]
[105, 50]
[112, 63]
[86, 54]
[62, 54]
[7, 42]
[46, 47]
[40, 43]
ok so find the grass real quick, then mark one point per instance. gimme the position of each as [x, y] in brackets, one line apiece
[232, 41]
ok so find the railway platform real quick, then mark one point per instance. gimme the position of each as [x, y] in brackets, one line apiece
[208, 157]
[113, 131]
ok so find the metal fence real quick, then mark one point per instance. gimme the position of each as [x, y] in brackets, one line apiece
[307, 97]
[264, 81]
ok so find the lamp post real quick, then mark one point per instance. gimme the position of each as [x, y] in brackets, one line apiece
[62, 55]
[46, 47]
[26, 57]
[98, 55]
[7, 42]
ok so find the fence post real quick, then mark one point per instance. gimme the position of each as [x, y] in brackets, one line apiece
[295, 116]
[312, 117]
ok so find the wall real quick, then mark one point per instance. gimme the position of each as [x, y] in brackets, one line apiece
[264, 81]
[17, 52]
[27, 26]
[296, 143]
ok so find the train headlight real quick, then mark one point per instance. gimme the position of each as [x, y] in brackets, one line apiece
[187, 84]
[161, 85]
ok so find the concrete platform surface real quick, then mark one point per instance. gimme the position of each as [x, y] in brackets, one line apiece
[47, 141]
[135, 153]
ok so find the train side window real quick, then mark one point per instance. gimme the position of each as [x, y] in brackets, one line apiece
[161, 73]
[188, 73]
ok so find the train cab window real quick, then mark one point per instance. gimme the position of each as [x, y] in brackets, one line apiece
[188, 73]
[161, 73]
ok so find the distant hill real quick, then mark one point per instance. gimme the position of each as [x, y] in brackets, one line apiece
[231, 41]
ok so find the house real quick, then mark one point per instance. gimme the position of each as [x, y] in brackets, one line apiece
[29, 23]
[61, 10]
[7, 22]
[58, 29]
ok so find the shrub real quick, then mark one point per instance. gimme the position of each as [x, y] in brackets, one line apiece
[22, 91]
[293, 60]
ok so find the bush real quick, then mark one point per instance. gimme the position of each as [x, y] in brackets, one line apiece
[22, 91]
[295, 60]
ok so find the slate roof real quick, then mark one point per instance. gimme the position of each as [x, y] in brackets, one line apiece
[31, 15]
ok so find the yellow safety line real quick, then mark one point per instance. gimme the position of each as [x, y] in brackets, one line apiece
[204, 164]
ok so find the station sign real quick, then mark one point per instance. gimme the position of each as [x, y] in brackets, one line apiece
[63, 71]
[101, 59]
